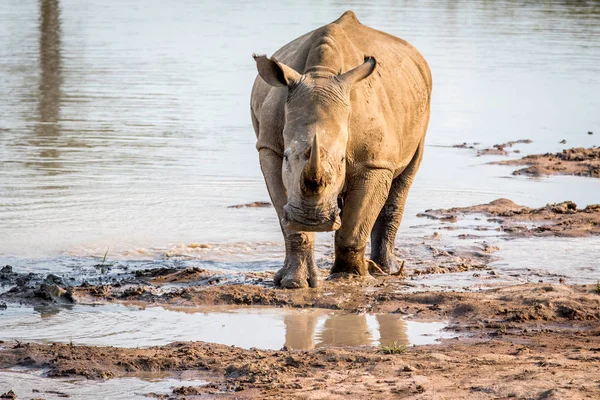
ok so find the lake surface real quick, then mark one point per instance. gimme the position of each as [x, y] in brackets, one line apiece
[125, 127]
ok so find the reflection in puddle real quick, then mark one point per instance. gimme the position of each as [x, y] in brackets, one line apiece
[33, 384]
[264, 328]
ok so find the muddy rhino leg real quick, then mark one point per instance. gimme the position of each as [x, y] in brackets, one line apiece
[299, 269]
[383, 235]
[365, 196]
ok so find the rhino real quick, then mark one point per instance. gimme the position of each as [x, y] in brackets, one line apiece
[340, 115]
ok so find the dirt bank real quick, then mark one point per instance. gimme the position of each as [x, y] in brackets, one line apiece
[496, 150]
[528, 341]
[576, 161]
[560, 219]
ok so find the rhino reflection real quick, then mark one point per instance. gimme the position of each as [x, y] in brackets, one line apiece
[304, 331]
[348, 330]
[300, 329]
[392, 329]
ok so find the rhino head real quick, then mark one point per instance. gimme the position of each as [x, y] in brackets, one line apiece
[315, 136]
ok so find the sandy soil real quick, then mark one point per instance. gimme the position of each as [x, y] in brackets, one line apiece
[531, 341]
[576, 161]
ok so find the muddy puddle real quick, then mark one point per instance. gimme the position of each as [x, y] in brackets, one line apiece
[262, 328]
[28, 384]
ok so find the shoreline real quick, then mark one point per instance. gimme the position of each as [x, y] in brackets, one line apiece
[520, 341]
[525, 340]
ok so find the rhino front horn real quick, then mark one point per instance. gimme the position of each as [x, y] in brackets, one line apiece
[313, 175]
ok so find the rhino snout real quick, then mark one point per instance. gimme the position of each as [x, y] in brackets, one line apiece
[311, 219]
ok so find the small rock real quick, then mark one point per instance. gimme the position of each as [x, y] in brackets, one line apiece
[53, 280]
[7, 269]
[488, 248]
[9, 395]
[590, 133]
[563, 141]
[54, 293]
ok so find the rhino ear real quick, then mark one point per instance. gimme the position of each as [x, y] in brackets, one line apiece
[359, 73]
[275, 73]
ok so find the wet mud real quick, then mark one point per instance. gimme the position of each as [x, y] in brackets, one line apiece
[526, 341]
[560, 219]
[254, 204]
[501, 149]
[193, 286]
[575, 161]
[535, 340]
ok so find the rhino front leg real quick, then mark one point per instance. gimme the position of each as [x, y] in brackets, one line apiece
[299, 269]
[365, 196]
[383, 236]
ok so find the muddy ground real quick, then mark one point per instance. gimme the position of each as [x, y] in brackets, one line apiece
[558, 220]
[531, 341]
[501, 149]
[576, 161]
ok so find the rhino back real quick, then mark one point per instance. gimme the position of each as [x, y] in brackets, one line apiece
[390, 109]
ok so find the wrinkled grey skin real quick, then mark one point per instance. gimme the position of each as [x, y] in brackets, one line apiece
[340, 115]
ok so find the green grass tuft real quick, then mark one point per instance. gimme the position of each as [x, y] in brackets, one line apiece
[104, 266]
[394, 348]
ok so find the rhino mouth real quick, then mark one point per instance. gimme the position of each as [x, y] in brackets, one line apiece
[311, 219]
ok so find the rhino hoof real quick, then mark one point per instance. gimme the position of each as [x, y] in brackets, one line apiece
[292, 280]
[293, 283]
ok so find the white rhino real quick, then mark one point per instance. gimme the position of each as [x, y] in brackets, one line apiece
[340, 116]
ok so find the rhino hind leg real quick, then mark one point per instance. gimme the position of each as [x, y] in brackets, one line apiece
[383, 235]
[299, 269]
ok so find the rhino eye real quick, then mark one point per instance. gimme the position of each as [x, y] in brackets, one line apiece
[285, 156]
[343, 158]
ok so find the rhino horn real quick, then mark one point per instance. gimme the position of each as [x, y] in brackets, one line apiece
[313, 174]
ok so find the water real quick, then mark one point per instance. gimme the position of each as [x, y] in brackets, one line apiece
[126, 126]
[34, 384]
[272, 328]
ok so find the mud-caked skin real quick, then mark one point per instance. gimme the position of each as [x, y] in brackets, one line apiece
[340, 115]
